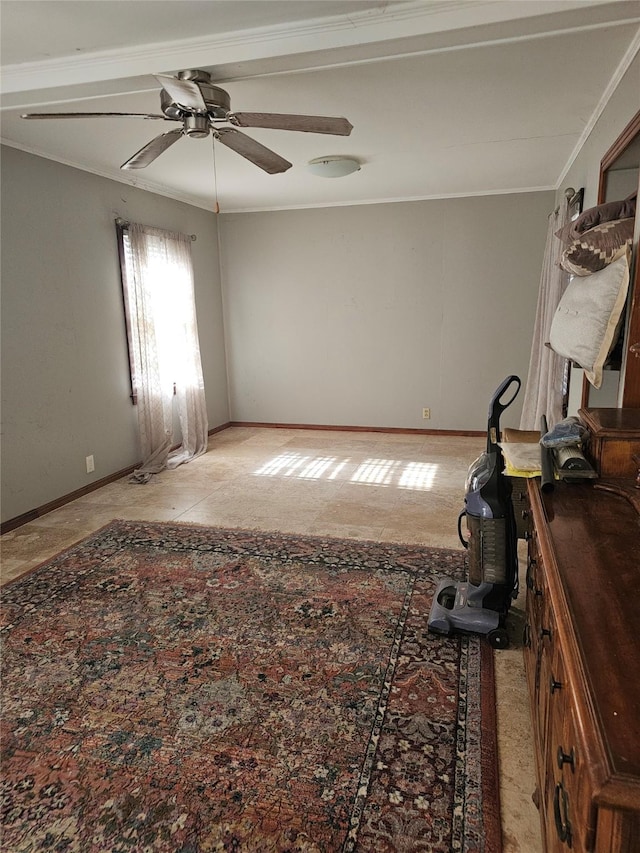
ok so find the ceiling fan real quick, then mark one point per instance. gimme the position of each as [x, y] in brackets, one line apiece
[191, 99]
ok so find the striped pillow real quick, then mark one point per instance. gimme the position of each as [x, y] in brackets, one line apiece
[594, 249]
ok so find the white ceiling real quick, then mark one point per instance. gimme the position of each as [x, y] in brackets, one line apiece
[447, 97]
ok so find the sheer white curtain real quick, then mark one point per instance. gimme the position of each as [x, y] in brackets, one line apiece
[545, 381]
[165, 351]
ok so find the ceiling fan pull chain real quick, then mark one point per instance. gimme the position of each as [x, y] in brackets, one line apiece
[216, 208]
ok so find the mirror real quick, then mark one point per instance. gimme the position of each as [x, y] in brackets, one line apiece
[619, 177]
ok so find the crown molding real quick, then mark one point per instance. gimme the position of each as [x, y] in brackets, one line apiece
[238, 46]
[398, 200]
[120, 177]
[148, 186]
[356, 31]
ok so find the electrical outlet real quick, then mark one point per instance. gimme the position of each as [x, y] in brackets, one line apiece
[426, 414]
[91, 466]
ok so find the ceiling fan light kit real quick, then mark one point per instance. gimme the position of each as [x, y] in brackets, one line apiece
[191, 99]
[333, 167]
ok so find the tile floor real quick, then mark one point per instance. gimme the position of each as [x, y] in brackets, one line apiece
[380, 486]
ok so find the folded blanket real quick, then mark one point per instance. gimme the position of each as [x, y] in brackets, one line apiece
[522, 459]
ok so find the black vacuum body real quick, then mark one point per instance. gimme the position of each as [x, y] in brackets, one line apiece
[480, 604]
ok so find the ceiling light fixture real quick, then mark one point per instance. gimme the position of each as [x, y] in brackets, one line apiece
[333, 167]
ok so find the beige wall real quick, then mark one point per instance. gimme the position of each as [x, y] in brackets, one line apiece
[65, 374]
[350, 316]
[364, 315]
[620, 109]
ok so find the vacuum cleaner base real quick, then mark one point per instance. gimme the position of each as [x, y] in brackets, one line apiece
[457, 607]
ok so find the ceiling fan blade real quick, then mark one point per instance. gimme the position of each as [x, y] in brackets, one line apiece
[254, 151]
[152, 149]
[283, 121]
[93, 115]
[185, 93]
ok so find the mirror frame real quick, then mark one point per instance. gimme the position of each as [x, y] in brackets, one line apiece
[631, 378]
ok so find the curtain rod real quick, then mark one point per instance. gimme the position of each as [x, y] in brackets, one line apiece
[572, 196]
[123, 223]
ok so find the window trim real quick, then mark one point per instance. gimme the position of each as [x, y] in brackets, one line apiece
[121, 228]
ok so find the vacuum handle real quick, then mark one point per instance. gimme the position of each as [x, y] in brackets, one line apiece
[497, 407]
[460, 536]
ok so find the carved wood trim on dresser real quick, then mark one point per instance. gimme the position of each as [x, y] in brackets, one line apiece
[582, 659]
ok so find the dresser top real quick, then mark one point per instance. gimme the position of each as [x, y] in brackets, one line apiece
[624, 423]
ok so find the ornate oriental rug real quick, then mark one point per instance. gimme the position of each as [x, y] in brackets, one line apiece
[187, 689]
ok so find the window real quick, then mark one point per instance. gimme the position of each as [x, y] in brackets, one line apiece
[162, 335]
[160, 307]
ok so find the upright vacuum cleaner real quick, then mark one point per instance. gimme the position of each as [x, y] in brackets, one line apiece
[480, 604]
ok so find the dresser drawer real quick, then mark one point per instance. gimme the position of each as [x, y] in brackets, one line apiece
[570, 813]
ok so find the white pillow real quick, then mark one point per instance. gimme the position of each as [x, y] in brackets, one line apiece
[587, 317]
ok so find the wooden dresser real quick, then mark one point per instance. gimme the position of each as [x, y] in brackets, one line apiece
[614, 440]
[582, 659]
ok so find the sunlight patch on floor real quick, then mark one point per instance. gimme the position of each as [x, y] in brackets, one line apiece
[418, 475]
[302, 467]
[375, 472]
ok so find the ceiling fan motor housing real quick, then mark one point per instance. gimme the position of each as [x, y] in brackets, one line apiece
[217, 100]
[197, 126]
